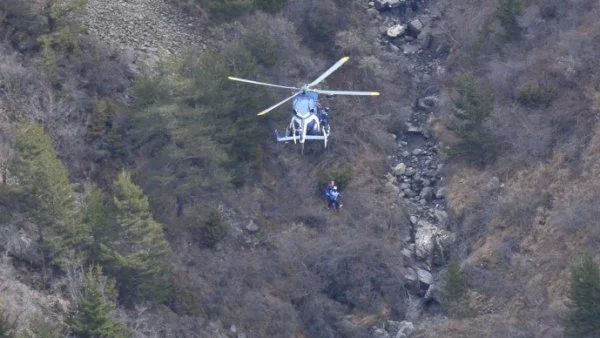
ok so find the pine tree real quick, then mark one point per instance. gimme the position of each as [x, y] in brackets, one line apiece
[44, 182]
[94, 317]
[455, 292]
[138, 252]
[507, 11]
[584, 315]
[471, 109]
[6, 327]
[96, 214]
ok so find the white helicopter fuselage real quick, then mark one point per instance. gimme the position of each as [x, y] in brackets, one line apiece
[300, 126]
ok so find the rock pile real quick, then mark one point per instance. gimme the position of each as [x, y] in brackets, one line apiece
[415, 172]
[142, 28]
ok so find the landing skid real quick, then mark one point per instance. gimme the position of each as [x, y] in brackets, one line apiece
[298, 138]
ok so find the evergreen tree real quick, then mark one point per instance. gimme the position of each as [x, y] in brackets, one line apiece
[138, 252]
[584, 315]
[6, 327]
[455, 291]
[63, 30]
[507, 11]
[44, 182]
[94, 317]
[471, 109]
[97, 216]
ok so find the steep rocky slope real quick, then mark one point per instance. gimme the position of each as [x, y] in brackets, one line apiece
[144, 29]
[377, 267]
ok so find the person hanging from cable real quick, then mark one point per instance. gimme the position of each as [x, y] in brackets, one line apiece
[333, 197]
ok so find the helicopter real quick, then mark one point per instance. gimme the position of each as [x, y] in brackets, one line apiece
[309, 121]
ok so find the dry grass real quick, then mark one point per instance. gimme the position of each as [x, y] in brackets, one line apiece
[544, 216]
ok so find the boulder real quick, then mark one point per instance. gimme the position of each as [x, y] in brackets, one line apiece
[396, 31]
[440, 193]
[392, 188]
[427, 103]
[383, 5]
[399, 169]
[390, 178]
[400, 329]
[427, 194]
[393, 48]
[414, 27]
[380, 333]
[410, 275]
[432, 244]
[424, 277]
[441, 216]
[493, 185]
[372, 13]
[408, 49]
[434, 293]
[252, 227]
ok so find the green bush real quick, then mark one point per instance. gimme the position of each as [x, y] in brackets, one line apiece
[455, 292]
[45, 184]
[6, 327]
[102, 127]
[537, 95]
[224, 10]
[584, 311]
[227, 9]
[206, 230]
[62, 38]
[508, 11]
[342, 175]
[184, 301]
[471, 109]
[263, 47]
[270, 6]
[94, 316]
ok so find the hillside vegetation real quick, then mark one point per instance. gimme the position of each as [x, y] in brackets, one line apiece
[536, 63]
[150, 201]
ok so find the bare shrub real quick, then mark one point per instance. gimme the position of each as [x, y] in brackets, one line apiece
[277, 38]
[581, 214]
[300, 282]
[102, 71]
[528, 135]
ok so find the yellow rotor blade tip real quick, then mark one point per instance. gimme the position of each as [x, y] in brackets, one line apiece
[375, 94]
[345, 58]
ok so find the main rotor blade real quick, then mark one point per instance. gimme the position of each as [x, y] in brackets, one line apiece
[329, 71]
[259, 83]
[344, 92]
[278, 104]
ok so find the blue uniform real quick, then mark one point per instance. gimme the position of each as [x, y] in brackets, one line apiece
[333, 196]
